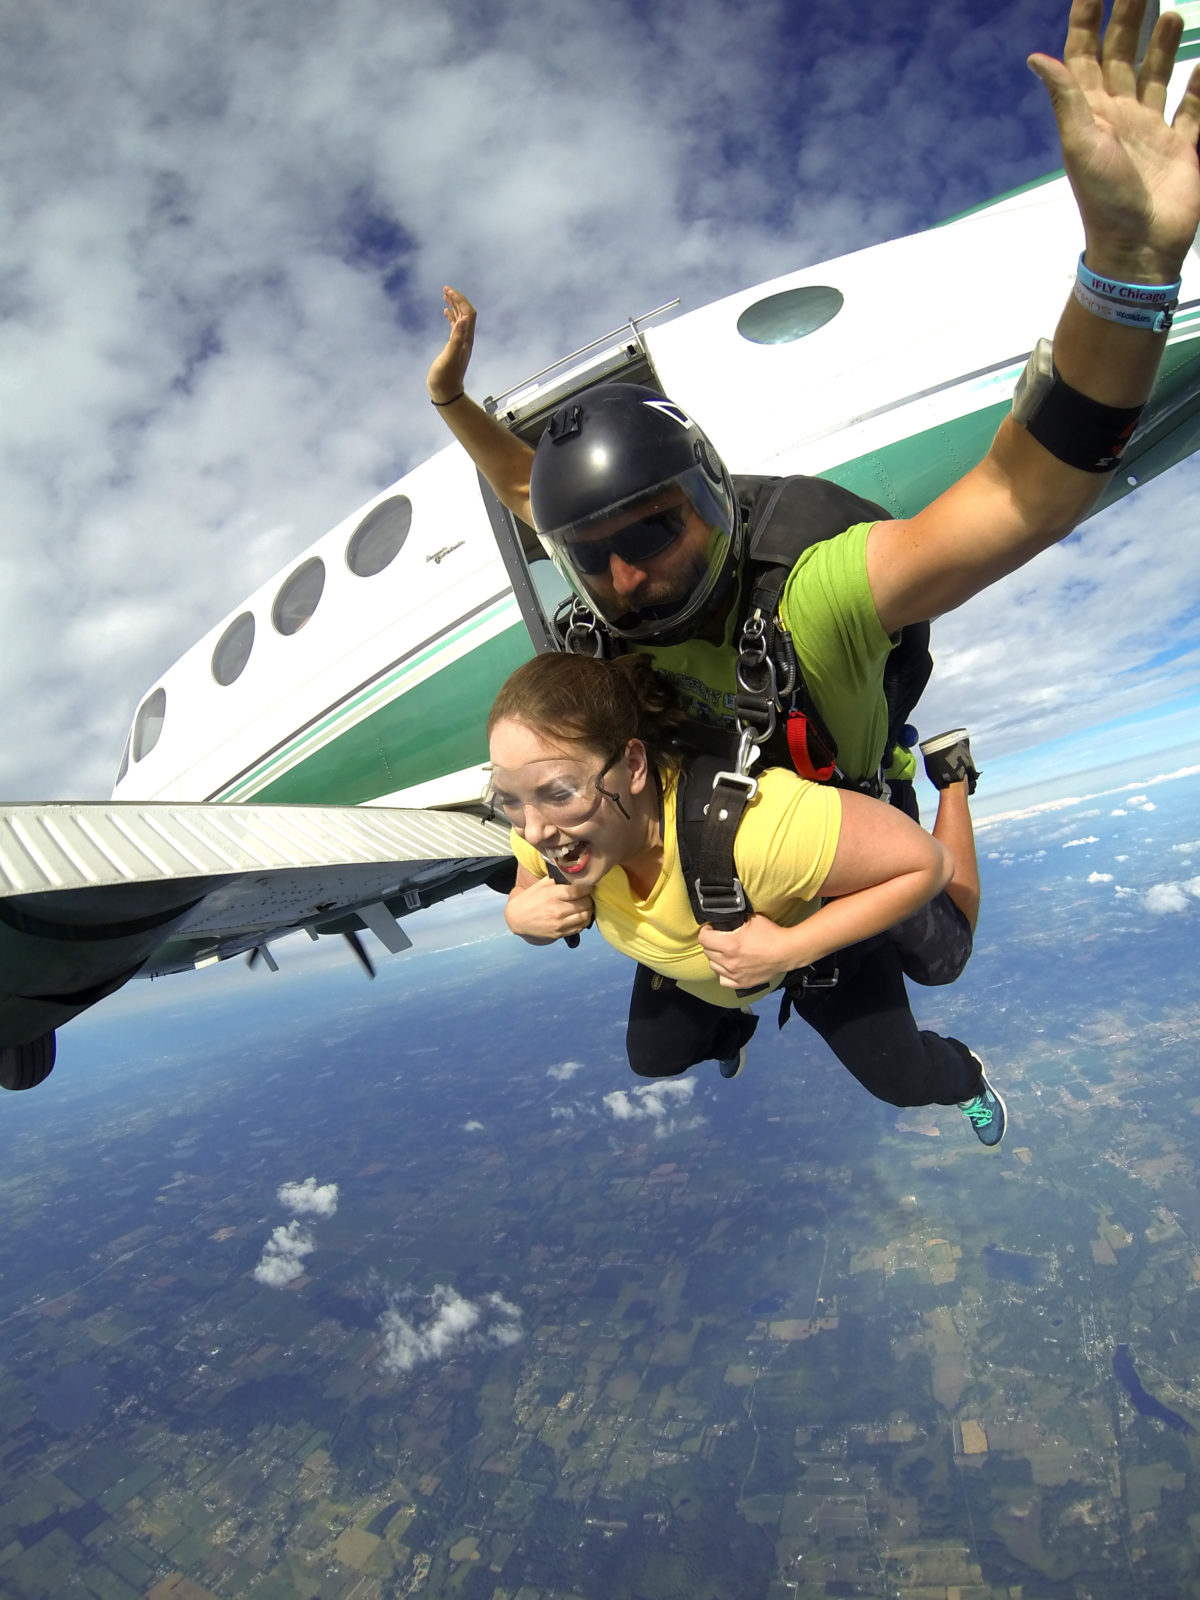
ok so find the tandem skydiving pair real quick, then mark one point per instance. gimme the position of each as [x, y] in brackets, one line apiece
[677, 560]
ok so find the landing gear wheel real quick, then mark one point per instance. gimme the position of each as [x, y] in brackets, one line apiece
[24, 1066]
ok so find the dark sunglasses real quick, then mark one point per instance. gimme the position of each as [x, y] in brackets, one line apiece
[635, 542]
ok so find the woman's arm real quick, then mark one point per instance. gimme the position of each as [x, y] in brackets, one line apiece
[885, 868]
[540, 911]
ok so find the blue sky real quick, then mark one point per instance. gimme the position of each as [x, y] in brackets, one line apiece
[227, 226]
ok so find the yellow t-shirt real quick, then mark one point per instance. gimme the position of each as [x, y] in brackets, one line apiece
[784, 850]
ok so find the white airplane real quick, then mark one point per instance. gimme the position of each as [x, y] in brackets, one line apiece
[316, 760]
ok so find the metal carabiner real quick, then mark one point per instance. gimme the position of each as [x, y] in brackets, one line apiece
[747, 751]
[753, 645]
[582, 636]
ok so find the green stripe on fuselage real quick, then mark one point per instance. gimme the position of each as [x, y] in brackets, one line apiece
[434, 728]
[905, 476]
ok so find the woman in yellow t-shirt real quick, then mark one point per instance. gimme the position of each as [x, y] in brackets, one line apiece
[582, 767]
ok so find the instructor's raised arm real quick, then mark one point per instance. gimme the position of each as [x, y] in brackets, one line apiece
[503, 459]
[1136, 181]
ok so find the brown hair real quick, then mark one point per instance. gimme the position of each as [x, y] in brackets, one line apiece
[603, 704]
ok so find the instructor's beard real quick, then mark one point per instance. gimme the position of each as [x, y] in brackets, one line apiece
[655, 599]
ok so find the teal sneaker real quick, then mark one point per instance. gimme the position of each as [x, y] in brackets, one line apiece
[730, 1066]
[986, 1111]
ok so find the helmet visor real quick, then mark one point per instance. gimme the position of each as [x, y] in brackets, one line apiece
[652, 561]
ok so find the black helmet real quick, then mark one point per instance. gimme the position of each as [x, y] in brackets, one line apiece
[615, 473]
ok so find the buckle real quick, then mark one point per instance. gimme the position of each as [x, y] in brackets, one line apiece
[818, 981]
[737, 780]
[720, 900]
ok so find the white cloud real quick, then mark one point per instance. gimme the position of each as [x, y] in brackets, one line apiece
[309, 1198]
[1119, 812]
[1100, 877]
[653, 1101]
[451, 1324]
[1164, 898]
[472, 1126]
[564, 1070]
[283, 1255]
[1091, 839]
[1187, 849]
[1022, 813]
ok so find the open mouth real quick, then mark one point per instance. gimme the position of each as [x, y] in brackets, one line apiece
[569, 858]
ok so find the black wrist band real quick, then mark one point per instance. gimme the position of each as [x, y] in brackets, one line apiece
[450, 402]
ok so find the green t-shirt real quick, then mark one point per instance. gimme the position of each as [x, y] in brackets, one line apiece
[827, 608]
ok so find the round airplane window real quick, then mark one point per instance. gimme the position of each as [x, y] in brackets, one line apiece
[148, 723]
[233, 650]
[782, 318]
[379, 537]
[298, 596]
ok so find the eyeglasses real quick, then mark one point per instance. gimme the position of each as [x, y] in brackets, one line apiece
[563, 801]
[635, 542]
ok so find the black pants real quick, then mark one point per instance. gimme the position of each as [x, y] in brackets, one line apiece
[934, 943]
[865, 1019]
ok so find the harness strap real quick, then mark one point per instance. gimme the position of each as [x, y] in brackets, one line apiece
[770, 683]
[718, 891]
[571, 940]
[707, 816]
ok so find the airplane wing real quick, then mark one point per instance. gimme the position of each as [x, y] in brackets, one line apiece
[92, 895]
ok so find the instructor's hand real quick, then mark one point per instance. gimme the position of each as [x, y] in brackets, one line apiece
[549, 910]
[448, 375]
[1135, 175]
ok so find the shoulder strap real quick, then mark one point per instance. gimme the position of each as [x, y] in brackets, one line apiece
[709, 803]
[785, 517]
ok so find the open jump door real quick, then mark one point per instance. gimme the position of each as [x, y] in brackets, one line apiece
[620, 356]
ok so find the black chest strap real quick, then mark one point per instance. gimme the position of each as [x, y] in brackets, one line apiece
[709, 804]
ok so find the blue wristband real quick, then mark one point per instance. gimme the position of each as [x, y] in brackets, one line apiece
[1135, 305]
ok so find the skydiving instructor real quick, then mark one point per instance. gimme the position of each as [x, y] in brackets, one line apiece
[660, 567]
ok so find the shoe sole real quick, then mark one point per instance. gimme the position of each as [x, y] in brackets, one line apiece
[942, 741]
[741, 1062]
